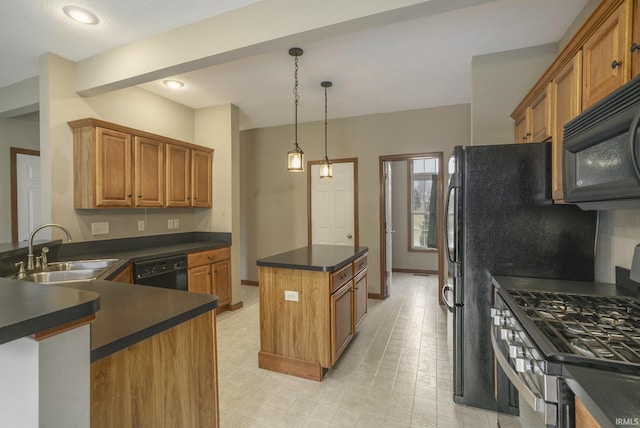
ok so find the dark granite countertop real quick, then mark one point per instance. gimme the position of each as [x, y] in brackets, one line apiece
[609, 396]
[324, 258]
[27, 308]
[128, 313]
[131, 313]
[560, 285]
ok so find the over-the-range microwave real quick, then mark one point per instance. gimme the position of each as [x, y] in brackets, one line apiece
[601, 168]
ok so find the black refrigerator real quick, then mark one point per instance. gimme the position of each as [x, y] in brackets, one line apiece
[501, 221]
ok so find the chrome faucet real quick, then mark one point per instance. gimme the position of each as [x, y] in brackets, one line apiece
[30, 257]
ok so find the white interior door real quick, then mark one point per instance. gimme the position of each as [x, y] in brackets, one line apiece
[28, 189]
[388, 229]
[332, 206]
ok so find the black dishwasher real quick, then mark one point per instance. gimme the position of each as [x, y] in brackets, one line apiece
[166, 272]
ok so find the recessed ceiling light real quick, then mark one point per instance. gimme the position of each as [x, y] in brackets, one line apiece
[81, 15]
[173, 84]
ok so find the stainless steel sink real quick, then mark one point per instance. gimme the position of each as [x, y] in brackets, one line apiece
[59, 276]
[68, 271]
[81, 264]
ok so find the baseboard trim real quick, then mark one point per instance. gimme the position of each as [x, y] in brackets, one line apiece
[376, 296]
[415, 271]
[249, 282]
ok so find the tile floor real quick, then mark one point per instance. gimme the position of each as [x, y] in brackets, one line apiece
[395, 372]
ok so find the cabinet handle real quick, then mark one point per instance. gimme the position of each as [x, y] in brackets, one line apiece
[634, 47]
[128, 196]
[139, 196]
[615, 64]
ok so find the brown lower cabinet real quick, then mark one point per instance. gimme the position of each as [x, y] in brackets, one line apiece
[210, 272]
[307, 318]
[169, 380]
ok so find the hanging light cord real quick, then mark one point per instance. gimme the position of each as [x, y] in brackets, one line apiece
[296, 97]
[325, 122]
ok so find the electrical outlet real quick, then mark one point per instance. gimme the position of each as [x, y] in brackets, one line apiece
[100, 228]
[170, 224]
[140, 225]
[291, 296]
[176, 223]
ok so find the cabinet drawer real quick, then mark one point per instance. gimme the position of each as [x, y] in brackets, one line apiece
[209, 256]
[359, 264]
[341, 276]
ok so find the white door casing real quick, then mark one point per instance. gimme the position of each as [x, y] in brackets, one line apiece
[388, 229]
[28, 192]
[332, 205]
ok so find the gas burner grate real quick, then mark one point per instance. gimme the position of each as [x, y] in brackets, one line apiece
[594, 327]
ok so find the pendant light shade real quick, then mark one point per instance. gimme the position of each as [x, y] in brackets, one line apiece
[326, 169]
[295, 156]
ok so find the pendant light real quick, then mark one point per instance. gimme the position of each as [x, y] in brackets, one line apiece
[295, 156]
[326, 169]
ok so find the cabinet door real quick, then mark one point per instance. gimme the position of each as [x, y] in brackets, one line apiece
[361, 294]
[178, 173]
[606, 62]
[541, 117]
[201, 178]
[522, 133]
[113, 168]
[199, 279]
[341, 320]
[222, 281]
[148, 172]
[567, 91]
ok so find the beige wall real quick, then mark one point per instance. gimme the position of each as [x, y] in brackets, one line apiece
[132, 107]
[21, 132]
[274, 212]
[498, 83]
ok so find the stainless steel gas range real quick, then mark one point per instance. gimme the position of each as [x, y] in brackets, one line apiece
[541, 327]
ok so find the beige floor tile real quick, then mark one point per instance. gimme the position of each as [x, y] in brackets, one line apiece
[395, 373]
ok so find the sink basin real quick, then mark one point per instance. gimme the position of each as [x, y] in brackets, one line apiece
[53, 277]
[80, 264]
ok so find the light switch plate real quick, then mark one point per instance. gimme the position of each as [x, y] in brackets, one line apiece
[176, 223]
[291, 296]
[100, 228]
[140, 225]
[170, 224]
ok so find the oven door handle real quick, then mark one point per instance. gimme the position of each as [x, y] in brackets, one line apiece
[532, 398]
[633, 145]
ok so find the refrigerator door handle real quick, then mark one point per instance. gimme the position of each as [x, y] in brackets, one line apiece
[446, 289]
[446, 224]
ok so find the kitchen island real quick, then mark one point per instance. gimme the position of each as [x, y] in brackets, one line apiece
[312, 300]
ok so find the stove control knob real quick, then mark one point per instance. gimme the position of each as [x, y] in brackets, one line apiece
[507, 334]
[516, 351]
[523, 365]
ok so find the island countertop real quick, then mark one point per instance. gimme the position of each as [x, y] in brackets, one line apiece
[323, 258]
[27, 308]
[131, 313]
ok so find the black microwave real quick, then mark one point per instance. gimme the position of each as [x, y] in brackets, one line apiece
[601, 168]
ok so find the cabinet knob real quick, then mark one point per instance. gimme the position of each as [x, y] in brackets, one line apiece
[615, 64]
[128, 196]
[139, 196]
[634, 47]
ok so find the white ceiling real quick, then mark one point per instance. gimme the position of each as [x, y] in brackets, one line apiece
[417, 62]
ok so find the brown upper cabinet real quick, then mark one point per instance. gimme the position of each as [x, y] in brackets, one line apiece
[120, 167]
[606, 56]
[597, 60]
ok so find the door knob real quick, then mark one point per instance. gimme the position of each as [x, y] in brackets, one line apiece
[349, 236]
